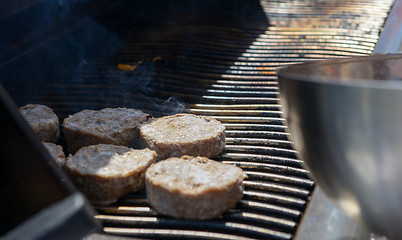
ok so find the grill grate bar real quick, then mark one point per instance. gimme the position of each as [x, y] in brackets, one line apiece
[257, 134]
[250, 206]
[273, 168]
[275, 198]
[244, 112]
[261, 219]
[270, 208]
[307, 183]
[204, 107]
[240, 126]
[168, 233]
[191, 234]
[127, 210]
[261, 158]
[230, 37]
[252, 119]
[275, 187]
[273, 151]
[153, 223]
[221, 54]
[260, 141]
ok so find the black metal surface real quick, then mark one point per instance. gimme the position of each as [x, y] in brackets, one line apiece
[70, 218]
[29, 179]
[213, 59]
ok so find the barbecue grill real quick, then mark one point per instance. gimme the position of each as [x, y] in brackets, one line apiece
[214, 58]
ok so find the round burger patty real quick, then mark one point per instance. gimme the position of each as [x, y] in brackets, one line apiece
[118, 126]
[105, 172]
[42, 120]
[193, 187]
[56, 152]
[183, 134]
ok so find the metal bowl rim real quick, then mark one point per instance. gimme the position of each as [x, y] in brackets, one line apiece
[290, 72]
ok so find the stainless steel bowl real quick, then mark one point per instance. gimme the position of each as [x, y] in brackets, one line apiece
[345, 118]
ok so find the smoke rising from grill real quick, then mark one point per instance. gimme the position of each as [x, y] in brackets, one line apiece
[65, 72]
[135, 82]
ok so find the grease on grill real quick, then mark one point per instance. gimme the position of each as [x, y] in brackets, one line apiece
[128, 67]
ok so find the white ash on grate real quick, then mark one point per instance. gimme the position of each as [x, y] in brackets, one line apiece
[193, 187]
[118, 126]
[183, 134]
[56, 152]
[105, 172]
[43, 121]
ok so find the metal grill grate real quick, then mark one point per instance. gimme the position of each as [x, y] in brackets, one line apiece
[227, 72]
[245, 98]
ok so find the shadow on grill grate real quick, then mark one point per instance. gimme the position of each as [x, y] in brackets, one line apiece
[218, 61]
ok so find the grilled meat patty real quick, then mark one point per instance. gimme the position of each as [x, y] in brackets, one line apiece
[118, 126]
[193, 187]
[57, 153]
[183, 134]
[105, 172]
[43, 121]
